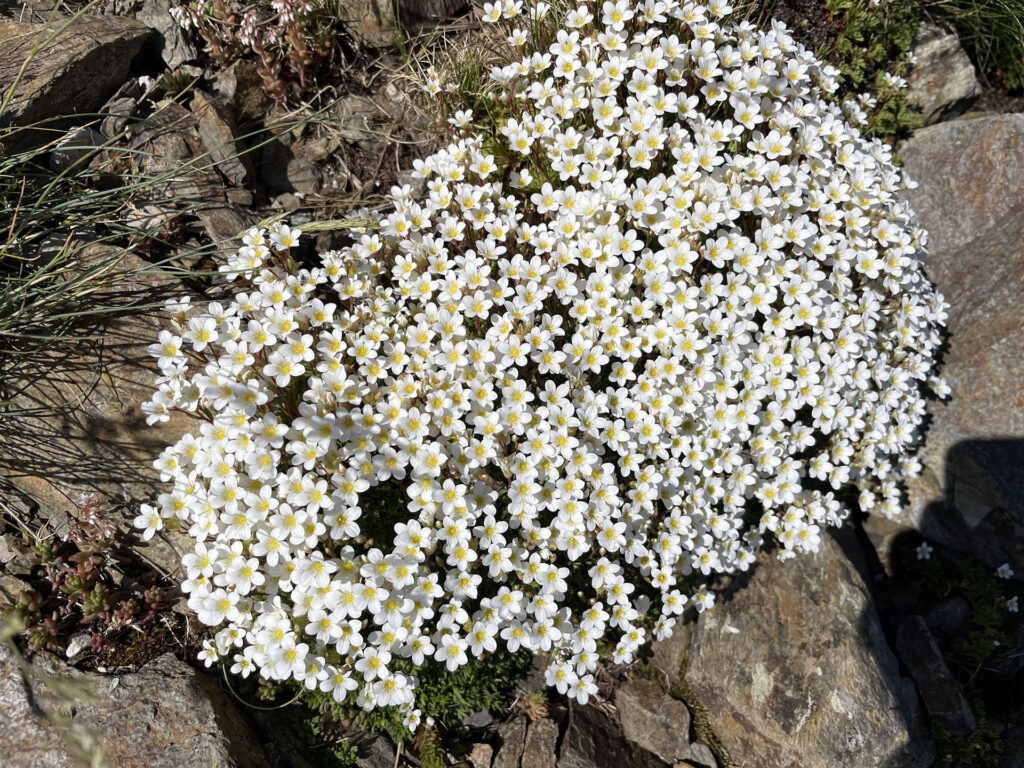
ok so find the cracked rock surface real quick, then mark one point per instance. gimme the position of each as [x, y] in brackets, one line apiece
[166, 715]
[794, 670]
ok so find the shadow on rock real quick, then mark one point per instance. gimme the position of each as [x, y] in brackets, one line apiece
[72, 432]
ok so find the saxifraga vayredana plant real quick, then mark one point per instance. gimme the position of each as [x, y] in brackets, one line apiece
[666, 310]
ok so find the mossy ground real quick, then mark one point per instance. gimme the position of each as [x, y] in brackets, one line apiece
[981, 655]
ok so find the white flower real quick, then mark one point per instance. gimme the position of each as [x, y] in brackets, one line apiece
[670, 308]
[373, 663]
[895, 82]
[150, 521]
[284, 237]
[452, 651]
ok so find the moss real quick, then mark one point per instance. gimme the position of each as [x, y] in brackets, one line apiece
[989, 625]
[323, 747]
[989, 630]
[981, 748]
[446, 697]
[384, 505]
[874, 40]
[428, 747]
[701, 722]
[682, 691]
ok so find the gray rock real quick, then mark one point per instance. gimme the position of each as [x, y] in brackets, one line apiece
[121, 107]
[300, 218]
[940, 692]
[169, 150]
[481, 755]
[77, 643]
[374, 751]
[539, 748]
[431, 10]
[668, 655]
[653, 719]
[883, 533]
[699, 755]
[970, 176]
[52, 246]
[14, 556]
[354, 117]
[287, 201]
[946, 619]
[1013, 748]
[160, 151]
[808, 679]
[303, 176]
[368, 118]
[281, 171]
[593, 740]
[28, 739]
[479, 719]
[76, 72]
[374, 23]
[224, 223]
[149, 218]
[240, 197]
[536, 676]
[166, 715]
[513, 742]
[11, 588]
[943, 82]
[75, 148]
[240, 85]
[217, 129]
[174, 46]
[317, 150]
[371, 23]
